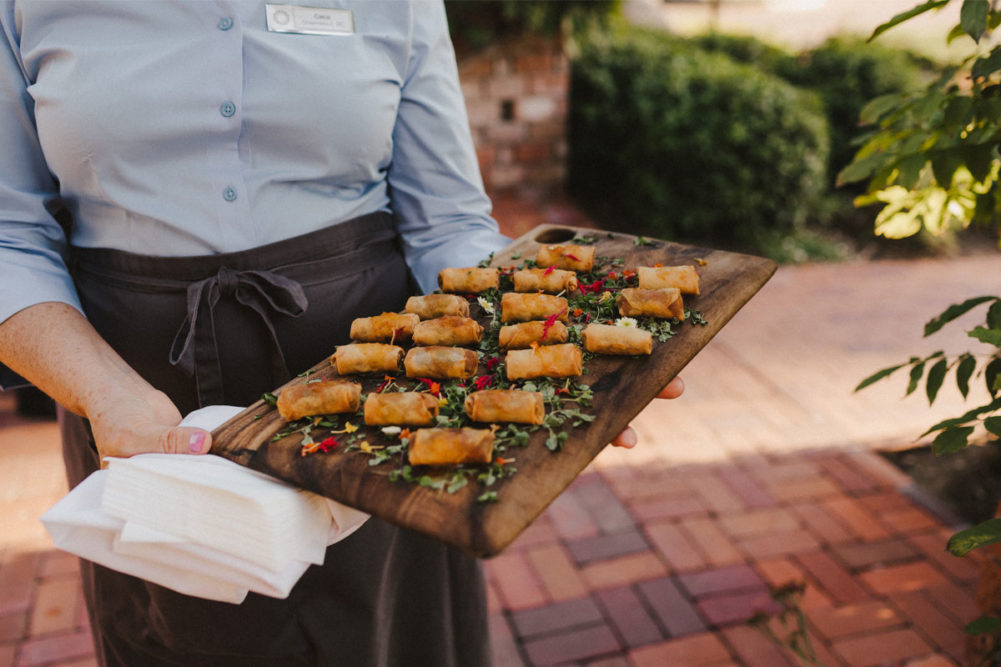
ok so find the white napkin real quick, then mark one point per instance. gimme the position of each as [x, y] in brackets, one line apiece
[200, 525]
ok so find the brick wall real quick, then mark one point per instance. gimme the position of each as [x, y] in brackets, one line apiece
[516, 96]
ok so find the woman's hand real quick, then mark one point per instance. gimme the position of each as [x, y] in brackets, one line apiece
[674, 389]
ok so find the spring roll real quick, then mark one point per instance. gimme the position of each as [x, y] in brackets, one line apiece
[517, 307]
[664, 303]
[441, 362]
[448, 330]
[468, 280]
[506, 405]
[570, 257]
[367, 358]
[430, 306]
[388, 327]
[610, 339]
[406, 408]
[545, 280]
[451, 446]
[520, 336]
[564, 360]
[656, 277]
[327, 397]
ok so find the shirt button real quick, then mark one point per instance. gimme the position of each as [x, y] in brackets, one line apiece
[225, 23]
[229, 194]
[227, 109]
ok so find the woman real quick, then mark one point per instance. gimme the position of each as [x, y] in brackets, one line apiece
[241, 181]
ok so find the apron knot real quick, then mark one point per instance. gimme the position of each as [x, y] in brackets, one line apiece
[194, 349]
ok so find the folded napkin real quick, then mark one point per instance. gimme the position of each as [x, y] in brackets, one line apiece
[199, 525]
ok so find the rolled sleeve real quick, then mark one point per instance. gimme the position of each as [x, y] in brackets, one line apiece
[32, 243]
[443, 213]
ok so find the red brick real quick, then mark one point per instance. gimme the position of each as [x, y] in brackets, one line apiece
[753, 649]
[779, 544]
[695, 650]
[932, 546]
[848, 478]
[515, 581]
[837, 581]
[675, 547]
[821, 523]
[736, 607]
[851, 619]
[606, 545]
[576, 645]
[800, 489]
[503, 647]
[759, 522]
[622, 571]
[908, 577]
[882, 472]
[794, 469]
[628, 616]
[881, 648]
[56, 648]
[13, 626]
[727, 579]
[955, 601]
[782, 571]
[559, 617]
[670, 607]
[569, 518]
[652, 509]
[540, 532]
[716, 494]
[556, 571]
[603, 506]
[716, 546]
[908, 520]
[746, 487]
[924, 613]
[858, 519]
[885, 501]
[867, 554]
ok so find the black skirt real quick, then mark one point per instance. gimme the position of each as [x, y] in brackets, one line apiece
[223, 329]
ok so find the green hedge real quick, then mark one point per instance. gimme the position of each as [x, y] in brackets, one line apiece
[676, 142]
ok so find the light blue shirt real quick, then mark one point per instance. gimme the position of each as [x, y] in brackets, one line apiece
[186, 128]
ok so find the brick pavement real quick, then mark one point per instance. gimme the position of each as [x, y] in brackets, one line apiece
[763, 473]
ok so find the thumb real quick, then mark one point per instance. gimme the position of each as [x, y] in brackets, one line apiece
[185, 440]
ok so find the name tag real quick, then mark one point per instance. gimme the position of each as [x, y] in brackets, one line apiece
[310, 20]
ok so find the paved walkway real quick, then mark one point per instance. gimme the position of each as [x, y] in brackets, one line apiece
[763, 473]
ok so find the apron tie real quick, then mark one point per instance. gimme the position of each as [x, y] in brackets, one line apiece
[194, 349]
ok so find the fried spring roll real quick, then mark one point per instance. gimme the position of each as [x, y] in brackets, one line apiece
[387, 327]
[520, 336]
[570, 257]
[366, 358]
[441, 362]
[451, 446]
[516, 307]
[656, 277]
[610, 339]
[318, 398]
[545, 361]
[448, 330]
[407, 408]
[506, 405]
[664, 303]
[430, 306]
[468, 280]
[546, 280]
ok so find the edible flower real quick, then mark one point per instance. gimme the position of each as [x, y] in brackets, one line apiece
[550, 321]
[577, 312]
[483, 382]
[433, 387]
[492, 363]
[365, 446]
[572, 256]
[626, 322]
[485, 305]
[658, 265]
[700, 261]
[549, 270]
[594, 287]
[324, 445]
[386, 380]
[612, 275]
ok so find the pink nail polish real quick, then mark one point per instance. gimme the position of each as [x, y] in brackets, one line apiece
[196, 442]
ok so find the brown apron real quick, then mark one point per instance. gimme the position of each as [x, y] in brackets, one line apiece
[222, 329]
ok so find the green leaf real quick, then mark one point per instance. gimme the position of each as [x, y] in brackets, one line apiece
[917, 370]
[973, 17]
[993, 425]
[862, 169]
[909, 170]
[983, 625]
[954, 311]
[909, 14]
[992, 376]
[954, 34]
[878, 106]
[979, 159]
[951, 440]
[994, 315]
[987, 65]
[965, 541]
[936, 376]
[944, 165]
[963, 373]
[968, 416]
[985, 335]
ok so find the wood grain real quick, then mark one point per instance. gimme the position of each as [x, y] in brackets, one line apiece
[622, 387]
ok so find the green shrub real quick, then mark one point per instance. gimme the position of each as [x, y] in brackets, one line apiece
[679, 143]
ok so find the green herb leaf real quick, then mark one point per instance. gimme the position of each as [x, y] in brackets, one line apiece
[487, 497]
[965, 541]
[951, 440]
[269, 398]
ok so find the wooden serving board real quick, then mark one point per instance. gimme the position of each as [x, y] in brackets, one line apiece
[622, 387]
